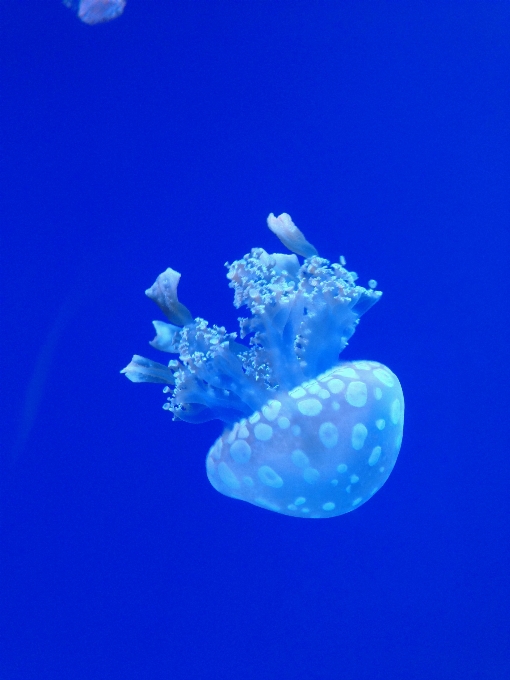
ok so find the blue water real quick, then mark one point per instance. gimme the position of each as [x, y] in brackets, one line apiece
[164, 138]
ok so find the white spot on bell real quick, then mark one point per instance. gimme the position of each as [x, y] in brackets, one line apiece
[243, 432]
[362, 365]
[263, 432]
[385, 377]
[240, 451]
[313, 387]
[356, 394]
[310, 407]
[335, 386]
[346, 372]
[375, 455]
[395, 412]
[271, 409]
[300, 459]
[328, 434]
[311, 475]
[358, 436]
[269, 477]
[233, 434]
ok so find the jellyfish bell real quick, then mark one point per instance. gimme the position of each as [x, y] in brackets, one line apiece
[96, 11]
[305, 435]
[319, 450]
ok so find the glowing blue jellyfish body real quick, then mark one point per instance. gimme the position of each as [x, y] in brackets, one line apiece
[96, 11]
[305, 436]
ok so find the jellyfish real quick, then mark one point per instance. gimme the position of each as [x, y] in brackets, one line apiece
[96, 11]
[305, 435]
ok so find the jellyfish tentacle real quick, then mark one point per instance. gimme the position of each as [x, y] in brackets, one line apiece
[164, 293]
[291, 237]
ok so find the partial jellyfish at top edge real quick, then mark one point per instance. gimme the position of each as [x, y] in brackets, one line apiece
[305, 435]
[96, 11]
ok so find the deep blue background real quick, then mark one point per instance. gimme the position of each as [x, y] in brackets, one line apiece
[165, 138]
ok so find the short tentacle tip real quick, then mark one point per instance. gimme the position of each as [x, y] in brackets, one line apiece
[141, 369]
[291, 237]
[164, 293]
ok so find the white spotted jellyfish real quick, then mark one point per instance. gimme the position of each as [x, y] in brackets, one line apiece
[305, 435]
